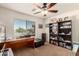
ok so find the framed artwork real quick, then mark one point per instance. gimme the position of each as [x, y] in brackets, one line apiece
[60, 19]
[66, 18]
[40, 26]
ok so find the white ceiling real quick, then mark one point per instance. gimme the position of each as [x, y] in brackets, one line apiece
[27, 8]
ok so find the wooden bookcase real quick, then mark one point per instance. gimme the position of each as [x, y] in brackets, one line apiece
[60, 34]
[53, 33]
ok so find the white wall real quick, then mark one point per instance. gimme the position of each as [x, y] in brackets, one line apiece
[74, 16]
[7, 18]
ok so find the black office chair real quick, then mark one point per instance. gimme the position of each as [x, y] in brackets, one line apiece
[41, 42]
[43, 38]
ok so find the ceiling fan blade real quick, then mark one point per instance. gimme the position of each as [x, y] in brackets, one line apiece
[38, 6]
[33, 9]
[54, 11]
[50, 5]
[37, 12]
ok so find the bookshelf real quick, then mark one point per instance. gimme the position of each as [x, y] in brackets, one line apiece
[53, 33]
[61, 34]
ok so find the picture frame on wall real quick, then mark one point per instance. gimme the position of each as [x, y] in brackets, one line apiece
[66, 18]
[60, 19]
[40, 26]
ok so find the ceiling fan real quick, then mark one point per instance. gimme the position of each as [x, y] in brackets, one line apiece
[44, 8]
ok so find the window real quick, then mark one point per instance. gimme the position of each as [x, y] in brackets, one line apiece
[30, 28]
[24, 28]
[2, 33]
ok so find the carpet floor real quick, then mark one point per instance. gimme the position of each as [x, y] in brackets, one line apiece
[46, 50]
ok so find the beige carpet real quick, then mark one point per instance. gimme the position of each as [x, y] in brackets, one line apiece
[46, 50]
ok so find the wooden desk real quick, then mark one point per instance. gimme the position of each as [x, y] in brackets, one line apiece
[19, 43]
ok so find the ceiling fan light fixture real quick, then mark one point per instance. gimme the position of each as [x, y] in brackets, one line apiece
[44, 13]
[44, 9]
